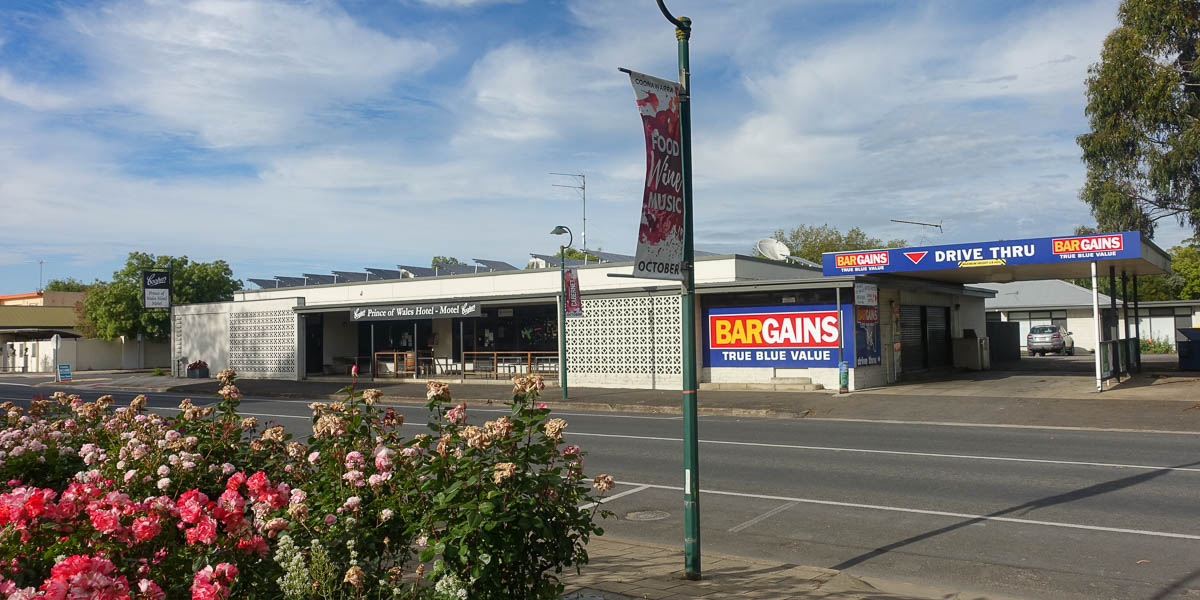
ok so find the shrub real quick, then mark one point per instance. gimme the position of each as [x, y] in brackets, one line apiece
[158, 372]
[207, 504]
[1159, 346]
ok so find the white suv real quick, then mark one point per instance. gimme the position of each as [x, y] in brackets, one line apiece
[1043, 339]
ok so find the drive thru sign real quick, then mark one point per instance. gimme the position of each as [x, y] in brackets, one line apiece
[985, 254]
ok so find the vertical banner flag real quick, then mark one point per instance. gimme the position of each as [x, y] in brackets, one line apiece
[156, 289]
[660, 235]
[573, 303]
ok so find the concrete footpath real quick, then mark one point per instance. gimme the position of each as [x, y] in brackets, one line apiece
[619, 570]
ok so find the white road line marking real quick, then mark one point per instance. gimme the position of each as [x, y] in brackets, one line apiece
[766, 515]
[920, 511]
[897, 452]
[635, 490]
[1003, 426]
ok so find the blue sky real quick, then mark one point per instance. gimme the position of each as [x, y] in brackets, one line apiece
[289, 137]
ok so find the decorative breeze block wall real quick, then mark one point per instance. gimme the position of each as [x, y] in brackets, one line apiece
[632, 341]
[263, 344]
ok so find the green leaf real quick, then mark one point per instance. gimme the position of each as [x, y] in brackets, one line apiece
[486, 507]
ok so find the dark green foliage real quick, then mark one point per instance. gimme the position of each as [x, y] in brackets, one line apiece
[69, 284]
[114, 309]
[810, 241]
[1143, 151]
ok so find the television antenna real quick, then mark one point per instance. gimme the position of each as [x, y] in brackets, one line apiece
[41, 263]
[582, 187]
[937, 225]
[772, 249]
[924, 239]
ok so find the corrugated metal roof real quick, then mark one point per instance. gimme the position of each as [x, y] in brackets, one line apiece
[1048, 293]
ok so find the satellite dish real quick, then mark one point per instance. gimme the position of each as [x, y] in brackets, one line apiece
[772, 249]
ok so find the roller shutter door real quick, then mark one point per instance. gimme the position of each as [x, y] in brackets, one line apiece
[937, 330]
[912, 339]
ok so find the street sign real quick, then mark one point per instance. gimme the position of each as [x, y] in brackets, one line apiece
[64, 372]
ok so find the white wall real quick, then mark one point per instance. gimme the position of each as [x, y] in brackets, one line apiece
[99, 355]
[1082, 327]
[260, 339]
[340, 337]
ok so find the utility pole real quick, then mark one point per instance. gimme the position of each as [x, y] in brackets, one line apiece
[582, 187]
[691, 446]
[41, 262]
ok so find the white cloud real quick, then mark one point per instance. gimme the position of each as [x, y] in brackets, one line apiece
[239, 73]
[465, 3]
[31, 96]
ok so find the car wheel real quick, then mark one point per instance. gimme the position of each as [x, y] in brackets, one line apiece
[1071, 351]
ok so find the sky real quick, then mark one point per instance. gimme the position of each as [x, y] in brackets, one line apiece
[305, 136]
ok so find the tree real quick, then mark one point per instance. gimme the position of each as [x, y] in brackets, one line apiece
[578, 254]
[114, 309]
[1185, 261]
[69, 284]
[810, 241]
[445, 260]
[1143, 152]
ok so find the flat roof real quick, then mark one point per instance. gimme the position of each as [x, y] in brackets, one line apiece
[1002, 261]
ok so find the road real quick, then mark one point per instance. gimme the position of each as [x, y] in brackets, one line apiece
[1022, 512]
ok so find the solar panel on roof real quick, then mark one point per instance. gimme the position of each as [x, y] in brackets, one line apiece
[316, 279]
[418, 271]
[610, 256]
[375, 274]
[290, 281]
[264, 283]
[495, 265]
[446, 268]
[553, 261]
[343, 276]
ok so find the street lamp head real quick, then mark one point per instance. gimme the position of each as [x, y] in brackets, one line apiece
[559, 230]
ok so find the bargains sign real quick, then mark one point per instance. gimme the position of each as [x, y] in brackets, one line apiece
[774, 336]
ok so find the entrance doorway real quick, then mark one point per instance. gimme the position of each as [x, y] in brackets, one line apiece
[924, 338]
[314, 347]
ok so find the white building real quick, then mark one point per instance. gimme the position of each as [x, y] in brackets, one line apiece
[1058, 302]
[628, 336]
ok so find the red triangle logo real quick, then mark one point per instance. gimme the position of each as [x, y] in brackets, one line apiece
[916, 256]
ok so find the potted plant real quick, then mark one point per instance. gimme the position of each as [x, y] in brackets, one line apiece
[197, 370]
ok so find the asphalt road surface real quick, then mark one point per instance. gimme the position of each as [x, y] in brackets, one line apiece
[1009, 511]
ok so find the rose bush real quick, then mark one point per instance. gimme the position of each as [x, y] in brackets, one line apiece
[97, 502]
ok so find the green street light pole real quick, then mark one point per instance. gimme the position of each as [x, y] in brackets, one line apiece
[691, 447]
[562, 306]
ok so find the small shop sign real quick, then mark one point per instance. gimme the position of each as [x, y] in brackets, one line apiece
[64, 372]
[156, 288]
[400, 312]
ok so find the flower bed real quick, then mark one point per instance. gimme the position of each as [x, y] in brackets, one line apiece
[206, 504]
